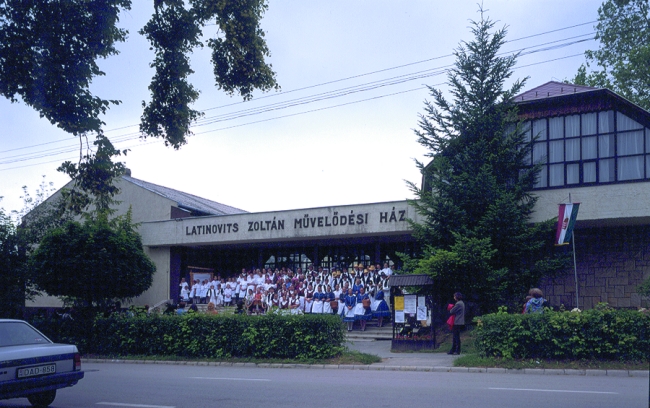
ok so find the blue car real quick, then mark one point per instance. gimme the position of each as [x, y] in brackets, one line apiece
[32, 366]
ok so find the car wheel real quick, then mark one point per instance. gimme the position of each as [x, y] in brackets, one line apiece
[42, 399]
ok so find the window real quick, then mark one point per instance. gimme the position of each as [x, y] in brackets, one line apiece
[589, 121]
[595, 147]
[573, 173]
[606, 170]
[572, 126]
[625, 123]
[630, 143]
[526, 130]
[589, 172]
[556, 128]
[539, 129]
[606, 146]
[556, 175]
[556, 151]
[605, 122]
[542, 178]
[573, 149]
[539, 153]
[630, 168]
[589, 148]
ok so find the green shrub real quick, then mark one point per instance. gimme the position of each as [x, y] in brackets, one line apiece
[199, 335]
[600, 333]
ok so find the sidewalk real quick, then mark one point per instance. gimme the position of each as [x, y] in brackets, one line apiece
[442, 362]
[381, 348]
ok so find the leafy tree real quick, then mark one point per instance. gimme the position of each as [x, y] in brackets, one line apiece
[623, 59]
[17, 237]
[96, 262]
[48, 59]
[476, 200]
[12, 260]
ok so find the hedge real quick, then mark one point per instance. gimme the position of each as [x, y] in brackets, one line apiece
[603, 334]
[203, 336]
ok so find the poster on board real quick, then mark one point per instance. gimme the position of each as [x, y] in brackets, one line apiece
[399, 302]
[422, 308]
[410, 304]
[399, 316]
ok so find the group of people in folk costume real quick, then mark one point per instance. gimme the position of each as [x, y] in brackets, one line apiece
[356, 295]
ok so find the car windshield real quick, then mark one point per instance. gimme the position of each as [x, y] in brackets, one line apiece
[18, 334]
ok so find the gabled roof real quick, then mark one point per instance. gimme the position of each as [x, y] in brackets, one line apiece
[185, 200]
[551, 89]
[558, 98]
[410, 280]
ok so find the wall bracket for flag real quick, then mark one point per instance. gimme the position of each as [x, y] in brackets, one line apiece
[566, 221]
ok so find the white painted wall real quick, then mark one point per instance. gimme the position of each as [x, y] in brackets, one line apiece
[146, 206]
[388, 218]
[615, 204]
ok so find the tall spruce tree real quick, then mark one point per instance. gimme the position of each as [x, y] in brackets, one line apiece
[476, 199]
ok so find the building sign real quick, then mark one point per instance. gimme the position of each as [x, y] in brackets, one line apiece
[364, 219]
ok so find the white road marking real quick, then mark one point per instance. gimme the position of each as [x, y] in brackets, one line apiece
[539, 390]
[232, 379]
[120, 404]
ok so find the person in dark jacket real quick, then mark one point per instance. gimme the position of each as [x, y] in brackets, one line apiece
[458, 311]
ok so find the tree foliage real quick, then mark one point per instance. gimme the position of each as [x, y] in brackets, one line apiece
[12, 260]
[17, 238]
[96, 262]
[93, 178]
[48, 59]
[622, 62]
[477, 201]
[237, 57]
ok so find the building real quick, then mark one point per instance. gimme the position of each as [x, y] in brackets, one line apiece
[594, 147]
[183, 234]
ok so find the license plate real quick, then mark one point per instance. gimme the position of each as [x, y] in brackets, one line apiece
[38, 370]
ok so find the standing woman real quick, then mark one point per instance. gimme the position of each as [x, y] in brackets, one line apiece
[212, 294]
[317, 307]
[328, 297]
[350, 303]
[309, 298]
[458, 311]
[357, 286]
[380, 307]
[294, 304]
[342, 295]
[362, 310]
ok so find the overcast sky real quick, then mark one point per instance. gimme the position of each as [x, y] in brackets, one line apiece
[339, 132]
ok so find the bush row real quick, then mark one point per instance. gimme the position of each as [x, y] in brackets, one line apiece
[603, 334]
[198, 335]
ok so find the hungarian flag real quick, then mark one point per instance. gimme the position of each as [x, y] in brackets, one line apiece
[566, 220]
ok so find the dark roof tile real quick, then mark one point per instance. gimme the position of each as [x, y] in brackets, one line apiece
[410, 280]
[552, 89]
[185, 200]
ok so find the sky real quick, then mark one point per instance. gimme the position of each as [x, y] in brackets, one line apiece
[353, 77]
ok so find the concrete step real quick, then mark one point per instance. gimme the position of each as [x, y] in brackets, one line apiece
[371, 333]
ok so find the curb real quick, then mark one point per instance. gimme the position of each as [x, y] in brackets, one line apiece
[382, 367]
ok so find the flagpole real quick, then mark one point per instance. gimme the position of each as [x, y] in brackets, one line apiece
[575, 266]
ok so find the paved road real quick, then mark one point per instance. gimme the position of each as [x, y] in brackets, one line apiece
[158, 386]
